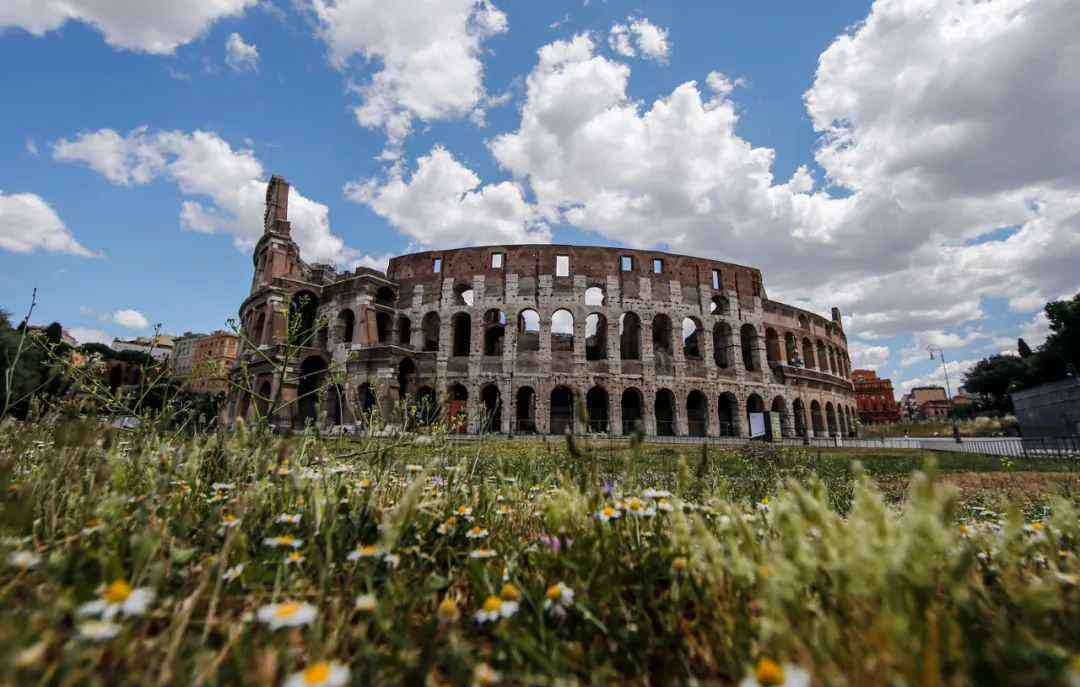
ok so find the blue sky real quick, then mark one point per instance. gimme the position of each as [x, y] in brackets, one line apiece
[833, 145]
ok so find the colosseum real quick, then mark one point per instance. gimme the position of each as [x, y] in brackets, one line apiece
[520, 339]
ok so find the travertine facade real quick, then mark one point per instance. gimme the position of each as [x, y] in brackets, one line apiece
[513, 337]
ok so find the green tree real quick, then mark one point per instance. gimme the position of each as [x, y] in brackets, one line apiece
[1064, 338]
[994, 378]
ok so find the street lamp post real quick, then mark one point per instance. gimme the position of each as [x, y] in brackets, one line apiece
[937, 352]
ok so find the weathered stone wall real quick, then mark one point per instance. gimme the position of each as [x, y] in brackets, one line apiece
[452, 324]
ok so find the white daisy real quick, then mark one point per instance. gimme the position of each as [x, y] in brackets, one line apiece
[24, 560]
[321, 674]
[233, 572]
[119, 597]
[288, 519]
[366, 603]
[284, 541]
[495, 608]
[476, 533]
[482, 553]
[98, 630]
[287, 614]
[608, 513]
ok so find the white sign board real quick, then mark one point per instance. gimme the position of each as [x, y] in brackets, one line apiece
[757, 425]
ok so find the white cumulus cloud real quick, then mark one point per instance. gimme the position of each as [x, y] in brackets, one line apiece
[225, 187]
[639, 35]
[240, 56]
[28, 223]
[85, 335]
[427, 52]
[151, 26]
[443, 204]
[129, 319]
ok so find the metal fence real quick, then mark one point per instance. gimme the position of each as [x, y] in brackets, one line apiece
[1013, 447]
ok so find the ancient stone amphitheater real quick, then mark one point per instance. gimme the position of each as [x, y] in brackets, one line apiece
[520, 339]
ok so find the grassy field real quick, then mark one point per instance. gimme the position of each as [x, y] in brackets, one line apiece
[135, 559]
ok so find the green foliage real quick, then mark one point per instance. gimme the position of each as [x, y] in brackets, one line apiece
[1064, 339]
[995, 377]
[716, 559]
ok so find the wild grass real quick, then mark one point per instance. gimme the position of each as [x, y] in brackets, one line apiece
[642, 566]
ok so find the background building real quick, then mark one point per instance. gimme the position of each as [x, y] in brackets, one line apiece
[183, 354]
[212, 358]
[874, 398]
[926, 403]
[159, 347]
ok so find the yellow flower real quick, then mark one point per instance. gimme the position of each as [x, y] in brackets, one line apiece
[769, 672]
[448, 612]
[321, 674]
[510, 592]
[117, 592]
[287, 614]
[679, 563]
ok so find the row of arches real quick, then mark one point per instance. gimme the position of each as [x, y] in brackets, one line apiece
[728, 417]
[630, 333]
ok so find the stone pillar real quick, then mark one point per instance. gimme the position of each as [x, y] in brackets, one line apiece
[682, 419]
[648, 413]
[712, 410]
[615, 410]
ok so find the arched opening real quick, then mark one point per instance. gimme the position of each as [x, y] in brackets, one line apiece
[494, 332]
[528, 333]
[116, 377]
[365, 402]
[430, 326]
[312, 371]
[383, 324]
[595, 337]
[303, 311]
[596, 408]
[755, 406]
[822, 357]
[562, 410]
[335, 399]
[799, 411]
[345, 326]
[665, 413]
[242, 405]
[262, 402]
[406, 378]
[492, 418]
[779, 407]
[562, 332]
[792, 349]
[427, 406]
[772, 346]
[404, 331]
[462, 325]
[728, 415]
[323, 340]
[463, 295]
[633, 408]
[457, 411]
[830, 418]
[385, 296]
[525, 411]
[594, 295]
[718, 306]
[833, 366]
[817, 421]
[661, 341]
[691, 338]
[258, 335]
[721, 337]
[697, 414]
[841, 420]
[808, 353]
[629, 336]
[748, 339]
[804, 322]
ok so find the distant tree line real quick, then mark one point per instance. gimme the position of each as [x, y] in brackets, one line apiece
[997, 376]
[36, 366]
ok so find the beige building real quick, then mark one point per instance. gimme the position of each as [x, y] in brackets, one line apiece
[213, 356]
